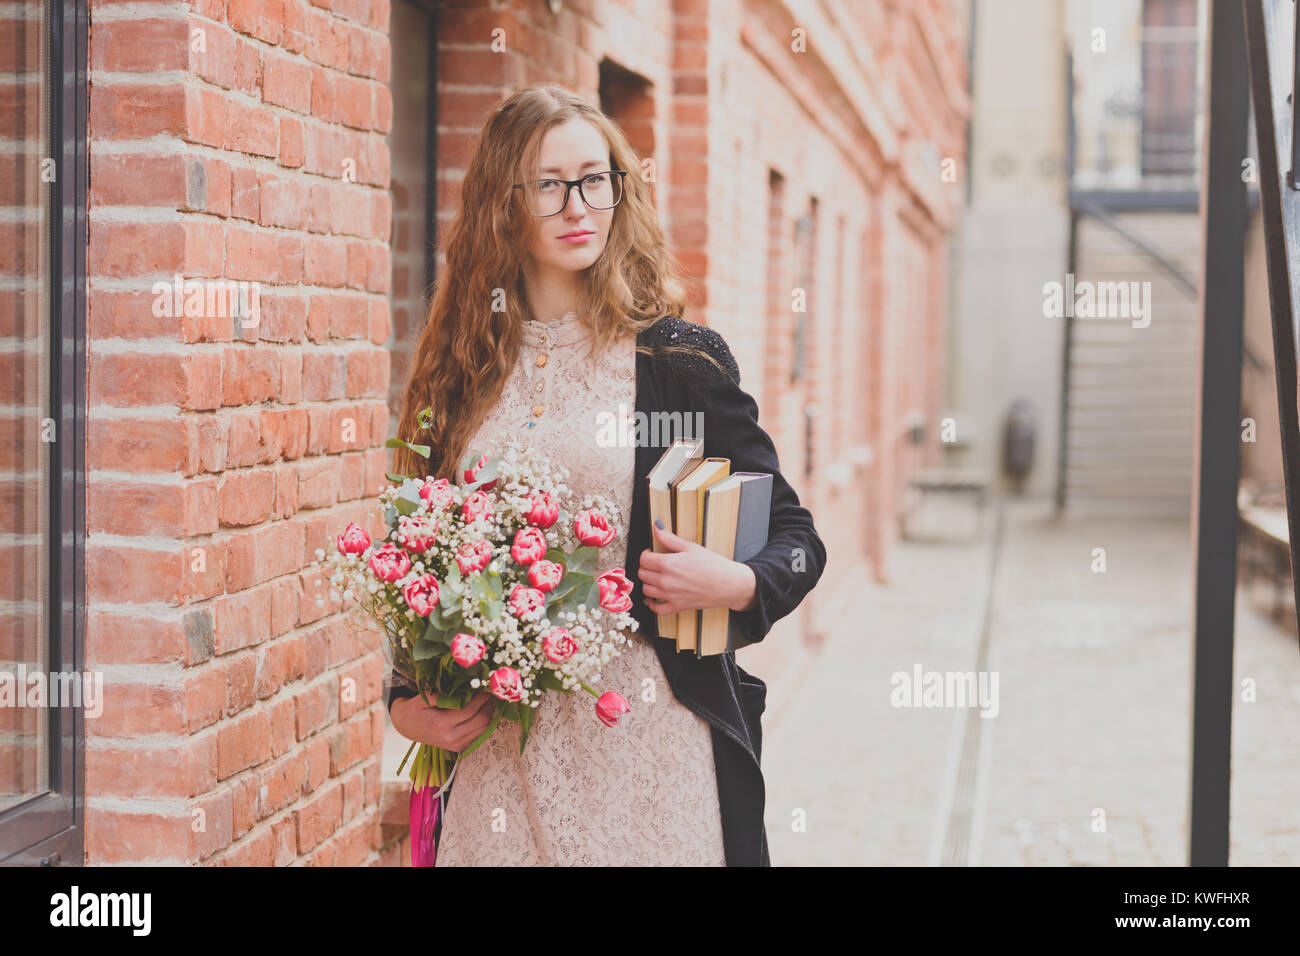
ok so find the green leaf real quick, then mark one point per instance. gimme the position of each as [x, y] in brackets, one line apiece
[494, 584]
[395, 479]
[452, 701]
[454, 576]
[573, 588]
[436, 632]
[405, 506]
[525, 721]
[548, 680]
[490, 607]
[422, 450]
[390, 516]
[448, 597]
[425, 649]
[496, 719]
[583, 560]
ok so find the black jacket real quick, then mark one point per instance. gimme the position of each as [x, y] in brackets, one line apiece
[715, 687]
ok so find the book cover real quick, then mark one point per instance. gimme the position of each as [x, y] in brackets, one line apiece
[742, 537]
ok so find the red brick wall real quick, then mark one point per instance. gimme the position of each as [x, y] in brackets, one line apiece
[241, 140]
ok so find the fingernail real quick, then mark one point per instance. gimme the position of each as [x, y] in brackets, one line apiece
[659, 523]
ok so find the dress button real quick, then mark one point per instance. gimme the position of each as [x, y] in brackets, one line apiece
[541, 361]
[538, 409]
[539, 387]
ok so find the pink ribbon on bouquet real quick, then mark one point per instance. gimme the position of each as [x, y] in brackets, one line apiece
[425, 807]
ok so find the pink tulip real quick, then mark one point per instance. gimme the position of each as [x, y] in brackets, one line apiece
[615, 591]
[353, 540]
[417, 533]
[473, 556]
[543, 512]
[477, 505]
[504, 684]
[592, 528]
[558, 645]
[467, 649]
[471, 474]
[421, 594]
[529, 545]
[611, 707]
[526, 602]
[545, 575]
[438, 493]
[389, 563]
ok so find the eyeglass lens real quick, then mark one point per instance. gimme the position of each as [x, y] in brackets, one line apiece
[546, 197]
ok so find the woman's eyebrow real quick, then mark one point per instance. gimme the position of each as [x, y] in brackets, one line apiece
[590, 162]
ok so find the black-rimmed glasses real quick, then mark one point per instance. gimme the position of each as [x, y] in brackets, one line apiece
[548, 197]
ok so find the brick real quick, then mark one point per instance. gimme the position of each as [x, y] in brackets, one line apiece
[263, 19]
[214, 61]
[243, 742]
[317, 483]
[140, 445]
[315, 707]
[120, 574]
[249, 374]
[242, 619]
[318, 817]
[114, 836]
[129, 249]
[113, 637]
[283, 203]
[287, 82]
[245, 497]
[251, 129]
[324, 375]
[291, 142]
[122, 110]
[325, 261]
[240, 672]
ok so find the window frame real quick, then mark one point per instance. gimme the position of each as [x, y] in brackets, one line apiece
[48, 829]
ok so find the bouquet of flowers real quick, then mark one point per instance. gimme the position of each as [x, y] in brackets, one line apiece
[489, 582]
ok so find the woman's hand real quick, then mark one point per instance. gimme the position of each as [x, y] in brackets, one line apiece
[689, 576]
[449, 729]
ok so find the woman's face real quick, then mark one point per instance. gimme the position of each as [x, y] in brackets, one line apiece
[573, 238]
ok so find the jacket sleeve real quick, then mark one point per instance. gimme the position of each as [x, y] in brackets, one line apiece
[397, 689]
[791, 563]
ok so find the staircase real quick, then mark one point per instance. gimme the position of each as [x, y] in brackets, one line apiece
[1131, 402]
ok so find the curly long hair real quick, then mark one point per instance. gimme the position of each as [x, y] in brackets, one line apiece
[473, 330]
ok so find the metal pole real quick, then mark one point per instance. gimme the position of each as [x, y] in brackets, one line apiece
[1214, 501]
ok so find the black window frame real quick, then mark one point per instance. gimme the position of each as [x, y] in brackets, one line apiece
[49, 828]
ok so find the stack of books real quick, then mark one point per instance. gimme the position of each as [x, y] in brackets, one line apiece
[702, 500]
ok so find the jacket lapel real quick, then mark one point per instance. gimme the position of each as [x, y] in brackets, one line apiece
[695, 682]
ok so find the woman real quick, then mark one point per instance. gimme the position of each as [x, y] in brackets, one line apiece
[558, 305]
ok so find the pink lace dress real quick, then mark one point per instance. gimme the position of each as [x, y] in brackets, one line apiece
[641, 793]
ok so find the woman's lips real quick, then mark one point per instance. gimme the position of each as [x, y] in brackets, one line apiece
[578, 238]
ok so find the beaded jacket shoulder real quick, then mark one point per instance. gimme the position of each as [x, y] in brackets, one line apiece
[694, 369]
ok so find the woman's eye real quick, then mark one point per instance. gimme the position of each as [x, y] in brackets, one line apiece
[547, 185]
[597, 180]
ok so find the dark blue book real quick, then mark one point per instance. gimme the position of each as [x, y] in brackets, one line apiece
[735, 525]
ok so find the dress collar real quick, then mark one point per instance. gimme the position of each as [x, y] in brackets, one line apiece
[566, 329]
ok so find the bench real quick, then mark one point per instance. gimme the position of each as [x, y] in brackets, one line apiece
[1267, 546]
[946, 481]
